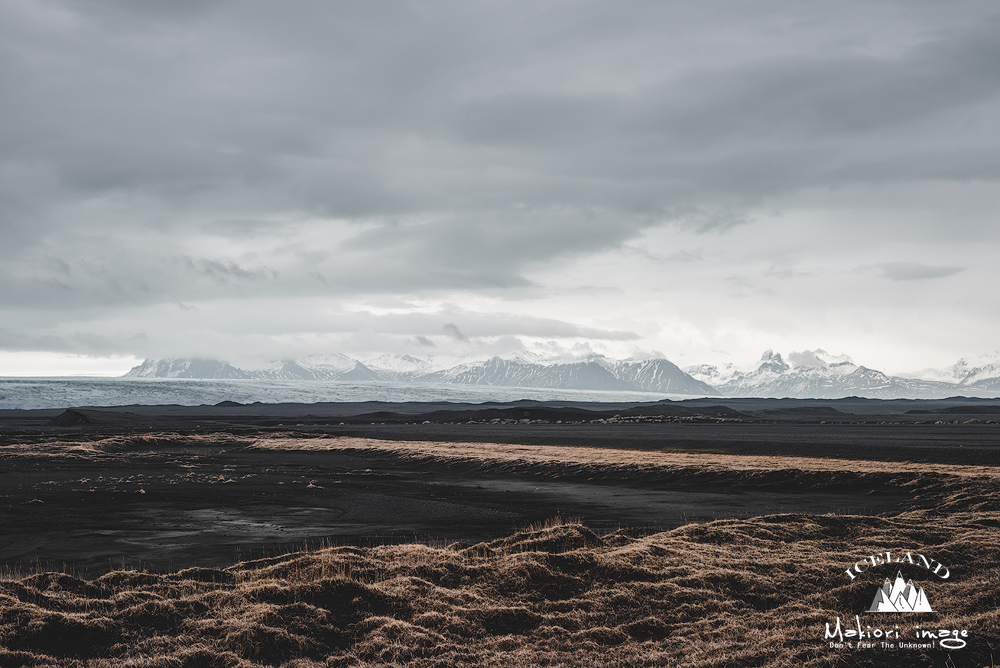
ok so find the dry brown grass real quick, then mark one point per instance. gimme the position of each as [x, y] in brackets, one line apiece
[535, 457]
[538, 457]
[748, 592]
[730, 593]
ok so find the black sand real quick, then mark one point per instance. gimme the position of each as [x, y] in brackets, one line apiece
[197, 495]
[126, 533]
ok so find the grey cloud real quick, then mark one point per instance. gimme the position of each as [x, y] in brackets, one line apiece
[238, 322]
[539, 121]
[704, 222]
[462, 146]
[60, 266]
[815, 98]
[474, 326]
[778, 270]
[914, 271]
[766, 126]
[317, 122]
[503, 324]
[685, 256]
[453, 331]
[18, 341]
[490, 248]
[242, 228]
[806, 358]
[79, 342]
[131, 277]
[225, 272]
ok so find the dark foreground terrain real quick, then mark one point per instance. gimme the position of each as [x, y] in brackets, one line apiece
[168, 501]
[699, 535]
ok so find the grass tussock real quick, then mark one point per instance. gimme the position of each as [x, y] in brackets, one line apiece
[752, 592]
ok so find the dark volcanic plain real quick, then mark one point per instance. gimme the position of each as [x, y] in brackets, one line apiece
[703, 533]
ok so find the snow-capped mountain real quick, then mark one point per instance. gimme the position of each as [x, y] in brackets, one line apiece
[523, 370]
[399, 366]
[659, 375]
[586, 375]
[809, 374]
[594, 372]
[981, 372]
[711, 374]
[818, 375]
[324, 367]
[186, 368]
[317, 367]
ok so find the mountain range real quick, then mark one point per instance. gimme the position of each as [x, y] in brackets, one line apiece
[593, 373]
[823, 376]
[815, 374]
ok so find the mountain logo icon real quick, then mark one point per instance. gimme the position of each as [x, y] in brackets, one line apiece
[900, 596]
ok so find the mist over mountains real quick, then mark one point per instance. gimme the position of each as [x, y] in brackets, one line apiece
[811, 374]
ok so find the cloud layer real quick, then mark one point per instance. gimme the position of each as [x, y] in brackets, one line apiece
[685, 177]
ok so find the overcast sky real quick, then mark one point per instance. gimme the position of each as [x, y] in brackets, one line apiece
[700, 180]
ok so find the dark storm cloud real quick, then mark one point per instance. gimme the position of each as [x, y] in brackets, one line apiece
[804, 101]
[322, 107]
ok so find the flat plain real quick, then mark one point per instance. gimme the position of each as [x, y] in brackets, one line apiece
[619, 535]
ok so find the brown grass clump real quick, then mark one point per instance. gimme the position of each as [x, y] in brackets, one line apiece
[508, 457]
[754, 592]
[729, 593]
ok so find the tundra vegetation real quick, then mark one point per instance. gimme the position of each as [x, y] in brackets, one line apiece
[736, 592]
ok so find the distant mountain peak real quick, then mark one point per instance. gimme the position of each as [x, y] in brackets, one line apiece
[186, 368]
[771, 362]
[812, 374]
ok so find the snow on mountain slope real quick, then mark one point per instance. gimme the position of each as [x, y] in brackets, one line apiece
[982, 372]
[594, 372]
[324, 367]
[711, 374]
[496, 371]
[327, 363]
[806, 374]
[186, 368]
[659, 375]
[818, 375]
[318, 368]
[398, 365]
